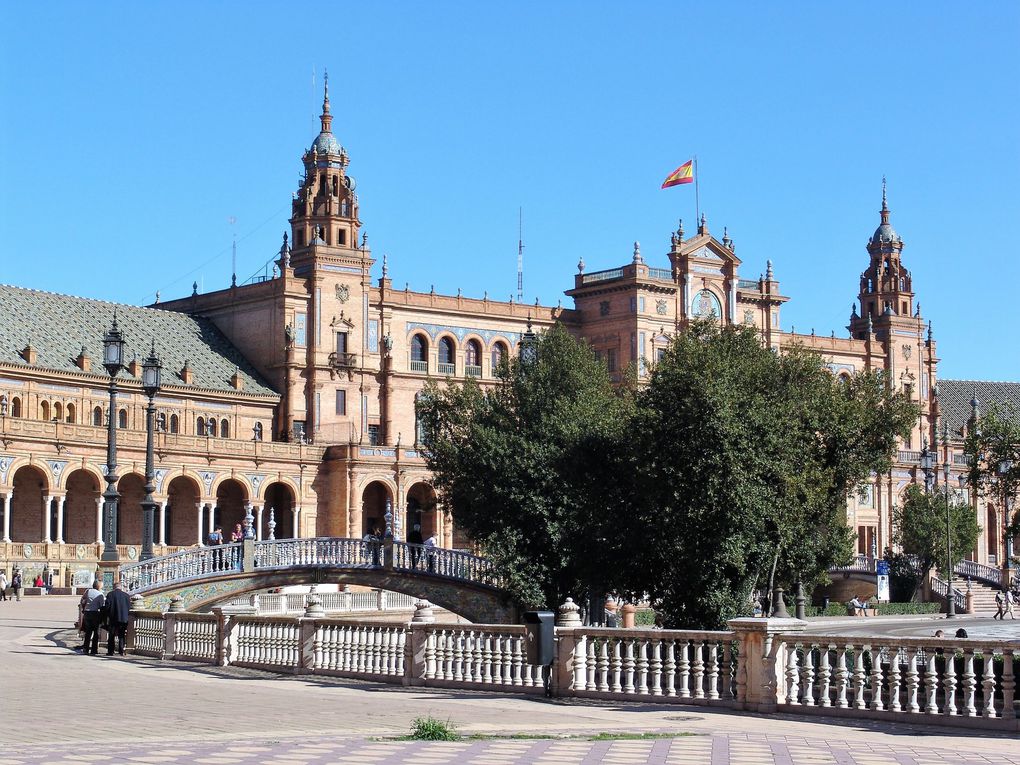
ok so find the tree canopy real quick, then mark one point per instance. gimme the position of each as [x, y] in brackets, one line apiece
[993, 450]
[730, 469]
[921, 525]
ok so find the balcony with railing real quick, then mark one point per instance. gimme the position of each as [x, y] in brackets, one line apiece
[419, 365]
[446, 368]
[471, 370]
[343, 361]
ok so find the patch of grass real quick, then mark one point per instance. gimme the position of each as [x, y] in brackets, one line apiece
[431, 729]
[636, 736]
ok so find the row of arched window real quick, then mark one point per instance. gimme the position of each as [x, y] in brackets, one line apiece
[446, 354]
[57, 411]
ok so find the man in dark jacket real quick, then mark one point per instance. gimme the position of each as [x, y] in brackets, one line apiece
[118, 611]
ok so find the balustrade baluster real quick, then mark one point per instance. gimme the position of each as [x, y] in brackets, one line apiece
[602, 665]
[478, 656]
[628, 665]
[913, 681]
[640, 667]
[989, 682]
[727, 671]
[792, 675]
[487, 658]
[949, 683]
[807, 676]
[894, 680]
[616, 667]
[1008, 685]
[860, 678]
[457, 648]
[317, 647]
[655, 667]
[876, 678]
[931, 683]
[508, 667]
[713, 669]
[669, 668]
[430, 656]
[969, 684]
[697, 670]
[517, 659]
[684, 669]
[824, 675]
[842, 677]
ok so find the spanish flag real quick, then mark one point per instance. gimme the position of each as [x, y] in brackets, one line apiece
[683, 174]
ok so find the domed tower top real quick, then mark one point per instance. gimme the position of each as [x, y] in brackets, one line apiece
[885, 233]
[325, 142]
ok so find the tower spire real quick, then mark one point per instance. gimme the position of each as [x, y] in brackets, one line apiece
[885, 205]
[326, 118]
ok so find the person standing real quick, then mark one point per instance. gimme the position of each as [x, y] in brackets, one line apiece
[430, 553]
[1001, 598]
[415, 539]
[3, 585]
[17, 585]
[92, 602]
[215, 542]
[118, 611]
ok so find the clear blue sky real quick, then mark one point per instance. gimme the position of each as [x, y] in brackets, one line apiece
[131, 132]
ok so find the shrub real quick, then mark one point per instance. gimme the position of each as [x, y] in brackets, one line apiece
[431, 729]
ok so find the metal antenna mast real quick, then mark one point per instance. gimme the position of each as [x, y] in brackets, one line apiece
[233, 257]
[520, 255]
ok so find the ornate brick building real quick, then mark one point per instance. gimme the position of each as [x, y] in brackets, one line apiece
[296, 393]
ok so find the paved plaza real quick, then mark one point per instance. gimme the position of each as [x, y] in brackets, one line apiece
[58, 706]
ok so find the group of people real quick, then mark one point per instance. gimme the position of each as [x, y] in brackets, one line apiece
[99, 611]
[1004, 602]
[417, 544]
[16, 585]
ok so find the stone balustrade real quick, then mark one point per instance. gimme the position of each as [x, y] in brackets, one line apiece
[332, 602]
[761, 665]
[989, 574]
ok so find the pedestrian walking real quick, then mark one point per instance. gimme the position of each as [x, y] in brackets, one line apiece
[1001, 598]
[1010, 603]
[430, 554]
[215, 542]
[92, 602]
[117, 612]
[17, 585]
[415, 539]
[3, 585]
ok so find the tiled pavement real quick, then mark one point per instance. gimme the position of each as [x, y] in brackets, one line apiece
[58, 707]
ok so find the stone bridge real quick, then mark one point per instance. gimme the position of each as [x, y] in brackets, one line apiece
[462, 583]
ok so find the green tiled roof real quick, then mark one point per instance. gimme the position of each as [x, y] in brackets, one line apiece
[57, 326]
[955, 397]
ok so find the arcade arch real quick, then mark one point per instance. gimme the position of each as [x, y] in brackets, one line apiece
[421, 510]
[279, 500]
[129, 509]
[231, 495]
[375, 499]
[181, 515]
[83, 492]
[28, 503]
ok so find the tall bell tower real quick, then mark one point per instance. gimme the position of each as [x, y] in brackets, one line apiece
[325, 206]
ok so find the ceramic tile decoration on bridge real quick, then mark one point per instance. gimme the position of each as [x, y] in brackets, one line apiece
[762, 665]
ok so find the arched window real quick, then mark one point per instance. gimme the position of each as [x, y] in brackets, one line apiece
[211, 425]
[97, 417]
[499, 355]
[473, 358]
[15, 407]
[122, 419]
[175, 424]
[44, 410]
[257, 430]
[161, 422]
[70, 414]
[419, 354]
[224, 429]
[200, 427]
[58, 412]
[447, 356]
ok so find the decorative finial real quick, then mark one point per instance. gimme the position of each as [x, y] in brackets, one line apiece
[194, 291]
[637, 253]
[917, 313]
[929, 332]
[580, 265]
[870, 327]
[885, 206]
[768, 270]
[680, 229]
[157, 297]
[703, 227]
[385, 265]
[853, 310]
[974, 404]
[364, 241]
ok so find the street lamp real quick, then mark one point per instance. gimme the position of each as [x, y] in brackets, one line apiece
[529, 346]
[950, 599]
[113, 360]
[152, 372]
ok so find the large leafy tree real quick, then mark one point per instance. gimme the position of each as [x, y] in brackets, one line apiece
[530, 468]
[993, 448]
[921, 524]
[745, 461]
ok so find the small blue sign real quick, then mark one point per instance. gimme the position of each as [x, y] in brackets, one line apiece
[882, 568]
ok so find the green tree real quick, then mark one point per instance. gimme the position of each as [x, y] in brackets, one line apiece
[530, 467]
[920, 523]
[992, 446]
[745, 459]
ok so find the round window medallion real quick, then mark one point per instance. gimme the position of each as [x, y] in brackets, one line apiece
[132, 552]
[28, 550]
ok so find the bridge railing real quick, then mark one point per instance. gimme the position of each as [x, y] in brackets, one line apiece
[983, 573]
[317, 551]
[195, 563]
[453, 564]
[760, 665]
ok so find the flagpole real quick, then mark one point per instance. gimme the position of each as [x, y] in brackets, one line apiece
[697, 193]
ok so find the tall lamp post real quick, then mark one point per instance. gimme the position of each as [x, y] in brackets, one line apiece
[950, 598]
[152, 373]
[1004, 469]
[113, 360]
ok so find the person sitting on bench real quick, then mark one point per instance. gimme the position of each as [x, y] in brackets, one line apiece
[859, 608]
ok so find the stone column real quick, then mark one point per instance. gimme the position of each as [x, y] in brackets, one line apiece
[47, 517]
[162, 521]
[99, 519]
[212, 517]
[7, 516]
[258, 522]
[61, 501]
[198, 506]
[297, 518]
